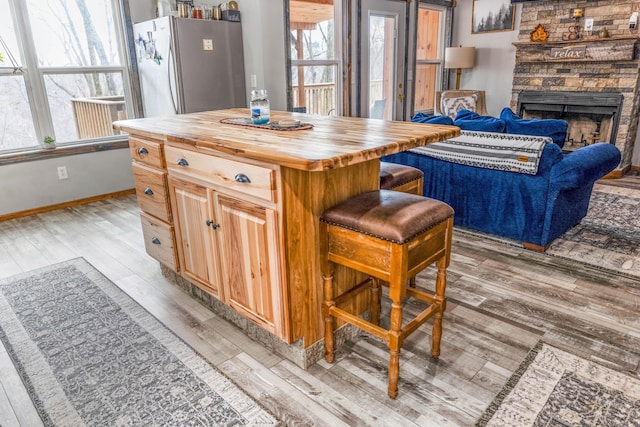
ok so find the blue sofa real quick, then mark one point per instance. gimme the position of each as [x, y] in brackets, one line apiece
[535, 208]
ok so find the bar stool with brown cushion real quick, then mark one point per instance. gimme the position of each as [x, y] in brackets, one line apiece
[389, 236]
[401, 178]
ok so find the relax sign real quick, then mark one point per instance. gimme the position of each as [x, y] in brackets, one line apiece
[569, 52]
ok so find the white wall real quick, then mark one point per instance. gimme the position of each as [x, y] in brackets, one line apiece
[29, 185]
[495, 57]
[263, 45]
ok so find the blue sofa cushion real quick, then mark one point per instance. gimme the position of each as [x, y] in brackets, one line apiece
[556, 129]
[470, 120]
[434, 120]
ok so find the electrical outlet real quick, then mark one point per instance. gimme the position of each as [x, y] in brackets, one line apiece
[254, 80]
[62, 172]
[588, 24]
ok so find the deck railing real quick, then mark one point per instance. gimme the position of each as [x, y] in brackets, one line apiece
[320, 98]
[95, 115]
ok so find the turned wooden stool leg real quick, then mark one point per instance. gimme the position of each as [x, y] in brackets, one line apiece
[441, 283]
[376, 296]
[394, 344]
[397, 293]
[326, 268]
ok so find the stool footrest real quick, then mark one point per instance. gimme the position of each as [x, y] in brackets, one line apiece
[363, 324]
[363, 286]
[421, 295]
[420, 319]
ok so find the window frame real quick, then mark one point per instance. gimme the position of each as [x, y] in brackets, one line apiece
[338, 60]
[446, 19]
[35, 86]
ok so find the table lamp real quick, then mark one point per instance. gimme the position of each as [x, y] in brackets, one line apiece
[459, 58]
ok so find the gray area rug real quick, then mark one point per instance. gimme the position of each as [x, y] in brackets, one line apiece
[608, 237]
[556, 388]
[90, 355]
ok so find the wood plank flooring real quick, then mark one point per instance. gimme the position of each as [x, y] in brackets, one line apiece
[502, 300]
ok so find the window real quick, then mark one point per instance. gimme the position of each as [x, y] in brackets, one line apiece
[429, 55]
[63, 72]
[314, 53]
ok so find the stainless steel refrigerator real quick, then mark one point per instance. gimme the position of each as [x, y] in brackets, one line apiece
[189, 65]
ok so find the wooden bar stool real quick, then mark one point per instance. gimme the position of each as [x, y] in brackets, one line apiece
[407, 179]
[390, 236]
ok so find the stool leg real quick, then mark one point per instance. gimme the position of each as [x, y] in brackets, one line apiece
[326, 268]
[328, 318]
[376, 294]
[412, 282]
[394, 344]
[441, 284]
[397, 293]
[436, 334]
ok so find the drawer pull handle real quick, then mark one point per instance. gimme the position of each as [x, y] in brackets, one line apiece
[142, 151]
[212, 224]
[242, 178]
[182, 162]
[148, 191]
[155, 241]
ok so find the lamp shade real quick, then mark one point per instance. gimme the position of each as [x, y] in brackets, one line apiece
[459, 57]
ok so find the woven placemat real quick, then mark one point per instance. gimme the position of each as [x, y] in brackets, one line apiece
[245, 121]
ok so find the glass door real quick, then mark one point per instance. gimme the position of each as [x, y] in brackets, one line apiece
[382, 47]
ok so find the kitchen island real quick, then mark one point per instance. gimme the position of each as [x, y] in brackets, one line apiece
[231, 212]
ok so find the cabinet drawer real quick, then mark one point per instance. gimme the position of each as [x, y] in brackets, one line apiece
[242, 177]
[152, 191]
[159, 240]
[146, 151]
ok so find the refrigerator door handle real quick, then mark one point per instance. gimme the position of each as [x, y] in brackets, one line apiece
[171, 79]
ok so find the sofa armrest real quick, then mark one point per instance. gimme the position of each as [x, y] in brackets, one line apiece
[585, 165]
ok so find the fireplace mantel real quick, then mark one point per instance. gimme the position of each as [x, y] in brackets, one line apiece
[620, 48]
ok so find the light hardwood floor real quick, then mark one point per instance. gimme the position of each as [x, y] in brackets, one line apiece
[502, 300]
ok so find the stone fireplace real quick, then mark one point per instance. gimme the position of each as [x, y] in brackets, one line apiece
[591, 82]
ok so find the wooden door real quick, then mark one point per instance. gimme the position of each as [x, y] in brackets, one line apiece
[195, 231]
[250, 260]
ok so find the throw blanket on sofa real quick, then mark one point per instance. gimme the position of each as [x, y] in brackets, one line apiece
[510, 152]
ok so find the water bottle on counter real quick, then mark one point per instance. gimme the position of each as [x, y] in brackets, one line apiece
[260, 111]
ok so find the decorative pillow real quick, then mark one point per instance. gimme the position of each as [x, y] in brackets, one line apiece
[451, 106]
[472, 121]
[435, 120]
[556, 129]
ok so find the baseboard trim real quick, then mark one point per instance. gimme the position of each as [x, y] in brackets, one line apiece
[64, 205]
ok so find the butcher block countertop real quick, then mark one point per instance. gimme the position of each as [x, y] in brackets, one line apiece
[333, 142]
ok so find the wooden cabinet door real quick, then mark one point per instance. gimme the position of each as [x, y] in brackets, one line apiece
[250, 262]
[196, 226]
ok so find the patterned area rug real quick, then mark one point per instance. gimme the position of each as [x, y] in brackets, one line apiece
[608, 237]
[555, 388]
[90, 355]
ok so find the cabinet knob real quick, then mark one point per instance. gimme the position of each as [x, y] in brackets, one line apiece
[148, 191]
[212, 224]
[143, 150]
[242, 178]
[182, 162]
[155, 240]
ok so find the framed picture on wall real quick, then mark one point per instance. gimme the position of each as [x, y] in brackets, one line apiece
[492, 15]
